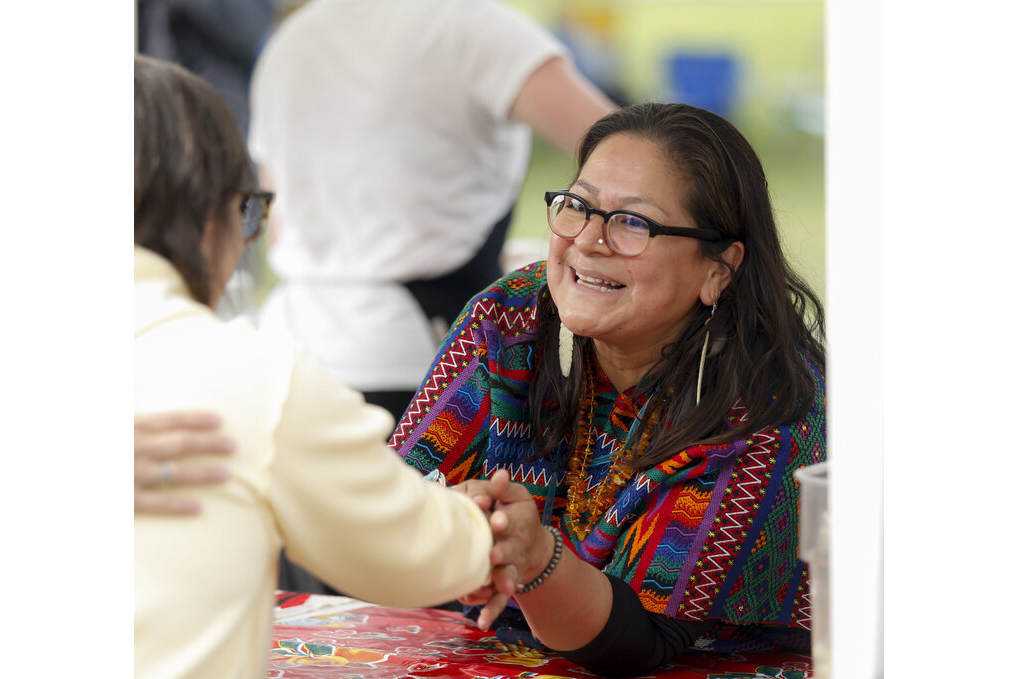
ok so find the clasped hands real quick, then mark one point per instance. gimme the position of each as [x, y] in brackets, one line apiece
[522, 545]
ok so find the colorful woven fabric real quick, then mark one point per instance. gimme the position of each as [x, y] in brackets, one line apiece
[711, 533]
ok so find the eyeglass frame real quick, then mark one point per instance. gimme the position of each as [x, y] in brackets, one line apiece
[245, 201]
[654, 228]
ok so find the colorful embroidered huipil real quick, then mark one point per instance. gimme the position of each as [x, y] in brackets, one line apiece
[709, 533]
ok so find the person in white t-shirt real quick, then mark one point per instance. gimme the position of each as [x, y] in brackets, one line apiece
[396, 136]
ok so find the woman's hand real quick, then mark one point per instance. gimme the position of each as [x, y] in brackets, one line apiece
[492, 597]
[522, 544]
[160, 441]
[520, 538]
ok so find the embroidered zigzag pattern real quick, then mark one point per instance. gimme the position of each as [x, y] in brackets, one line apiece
[524, 473]
[643, 483]
[806, 607]
[623, 507]
[446, 369]
[509, 428]
[733, 524]
[520, 473]
[506, 319]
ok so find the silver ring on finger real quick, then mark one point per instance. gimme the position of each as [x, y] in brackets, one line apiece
[165, 474]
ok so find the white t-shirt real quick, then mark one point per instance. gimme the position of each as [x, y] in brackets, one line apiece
[384, 126]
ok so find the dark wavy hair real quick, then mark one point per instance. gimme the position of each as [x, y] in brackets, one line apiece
[770, 322]
[189, 161]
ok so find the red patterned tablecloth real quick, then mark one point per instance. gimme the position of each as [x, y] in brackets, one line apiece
[319, 636]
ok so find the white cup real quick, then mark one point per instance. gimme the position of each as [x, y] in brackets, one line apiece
[814, 549]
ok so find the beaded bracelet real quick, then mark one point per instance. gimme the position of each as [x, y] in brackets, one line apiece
[555, 556]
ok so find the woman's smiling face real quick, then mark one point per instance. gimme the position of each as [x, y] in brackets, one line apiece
[635, 304]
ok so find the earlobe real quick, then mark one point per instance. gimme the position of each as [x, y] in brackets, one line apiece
[716, 281]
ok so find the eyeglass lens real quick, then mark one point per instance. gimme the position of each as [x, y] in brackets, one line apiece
[627, 234]
[252, 210]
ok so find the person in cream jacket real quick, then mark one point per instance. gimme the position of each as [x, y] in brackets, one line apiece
[311, 470]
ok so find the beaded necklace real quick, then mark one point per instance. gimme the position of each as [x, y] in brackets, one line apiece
[583, 509]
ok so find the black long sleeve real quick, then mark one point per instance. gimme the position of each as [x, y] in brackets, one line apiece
[634, 640]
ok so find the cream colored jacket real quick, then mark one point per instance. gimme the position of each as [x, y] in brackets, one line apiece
[311, 472]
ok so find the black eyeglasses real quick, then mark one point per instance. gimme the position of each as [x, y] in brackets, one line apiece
[627, 232]
[254, 213]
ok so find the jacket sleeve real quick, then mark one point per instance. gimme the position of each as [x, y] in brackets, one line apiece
[351, 512]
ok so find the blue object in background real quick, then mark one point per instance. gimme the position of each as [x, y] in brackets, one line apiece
[706, 80]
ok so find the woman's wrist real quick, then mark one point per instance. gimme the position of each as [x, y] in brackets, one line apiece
[552, 562]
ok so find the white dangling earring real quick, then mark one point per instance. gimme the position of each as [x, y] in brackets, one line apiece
[703, 352]
[565, 349]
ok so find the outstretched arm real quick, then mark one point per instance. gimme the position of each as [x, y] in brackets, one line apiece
[559, 104]
[355, 515]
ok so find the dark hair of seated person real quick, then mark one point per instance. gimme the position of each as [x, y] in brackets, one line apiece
[189, 162]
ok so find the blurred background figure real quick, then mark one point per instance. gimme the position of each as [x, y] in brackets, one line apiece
[218, 40]
[396, 135]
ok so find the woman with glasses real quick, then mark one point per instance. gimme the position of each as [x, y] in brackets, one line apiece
[310, 469]
[653, 386]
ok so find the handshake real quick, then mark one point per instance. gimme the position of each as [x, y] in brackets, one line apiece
[524, 552]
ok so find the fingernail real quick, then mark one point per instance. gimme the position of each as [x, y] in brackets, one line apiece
[220, 473]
